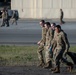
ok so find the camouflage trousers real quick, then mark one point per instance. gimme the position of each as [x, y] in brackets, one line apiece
[40, 52]
[47, 54]
[57, 56]
[14, 21]
[5, 21]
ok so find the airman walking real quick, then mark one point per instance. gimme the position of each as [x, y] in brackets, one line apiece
[62, 46]
[41, 44]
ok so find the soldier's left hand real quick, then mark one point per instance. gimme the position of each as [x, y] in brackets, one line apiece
[38, 43]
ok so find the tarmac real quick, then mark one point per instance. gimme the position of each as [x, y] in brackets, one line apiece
[31, 70]
[28, 31]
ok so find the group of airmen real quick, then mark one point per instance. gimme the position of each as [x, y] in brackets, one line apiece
[6, 18]
[55, 44]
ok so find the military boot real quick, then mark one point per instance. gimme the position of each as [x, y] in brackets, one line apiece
[53, 69]
[41, 64]
[57, 70]
[70, 66]
[48, 65]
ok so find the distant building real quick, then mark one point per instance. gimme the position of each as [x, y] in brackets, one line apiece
[44, 8]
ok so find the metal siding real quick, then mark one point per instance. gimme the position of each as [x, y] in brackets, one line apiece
[44, 8]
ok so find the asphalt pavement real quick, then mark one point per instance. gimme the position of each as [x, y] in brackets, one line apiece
[28, 32]
[32, 70]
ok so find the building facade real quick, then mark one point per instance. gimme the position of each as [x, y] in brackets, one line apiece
[48, 9]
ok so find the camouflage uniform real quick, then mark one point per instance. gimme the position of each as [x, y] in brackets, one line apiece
[5, 18]
[41, 46]
[62, 46]
[59, 50]
[49, 37]
[15, 17]
[64, 58]
[57, 53]
[61, 16]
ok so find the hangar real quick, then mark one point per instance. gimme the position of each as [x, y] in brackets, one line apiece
[38, 9]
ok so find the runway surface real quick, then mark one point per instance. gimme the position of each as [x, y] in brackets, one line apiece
[28, 32]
